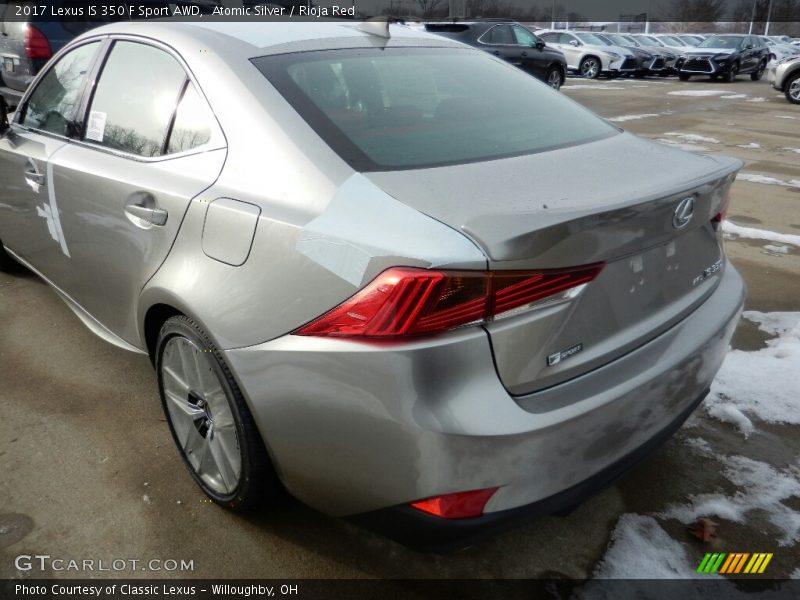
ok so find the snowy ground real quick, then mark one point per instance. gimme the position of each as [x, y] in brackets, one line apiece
[751, 389]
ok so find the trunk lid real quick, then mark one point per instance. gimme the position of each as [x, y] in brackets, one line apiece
[613, 201]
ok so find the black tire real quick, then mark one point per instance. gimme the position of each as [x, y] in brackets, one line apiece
[554, 78]
[257, 481]
[590, 67]
[730, 76]
[684, 76]
[7, 263]
[791, 88]
[759, 72]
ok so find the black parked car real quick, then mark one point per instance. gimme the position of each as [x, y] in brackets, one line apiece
[510, 41]
[30, 34]
[726, 56]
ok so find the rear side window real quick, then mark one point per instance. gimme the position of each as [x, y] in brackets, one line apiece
[52, 104]
[403, 108]
[499, 34]
[135, 99]
[193, 123]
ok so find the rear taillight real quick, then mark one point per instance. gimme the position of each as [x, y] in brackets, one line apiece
[404, 301]
[36, 44]
[461, 505]
[723, 210]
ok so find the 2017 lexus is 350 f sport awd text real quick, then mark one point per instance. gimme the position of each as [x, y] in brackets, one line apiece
[380, 269]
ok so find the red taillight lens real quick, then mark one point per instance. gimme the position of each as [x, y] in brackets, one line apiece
[36, 44]
[461, 505]
[723, 209]
[405, 301]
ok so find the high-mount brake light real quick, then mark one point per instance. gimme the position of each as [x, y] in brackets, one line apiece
[405, 301]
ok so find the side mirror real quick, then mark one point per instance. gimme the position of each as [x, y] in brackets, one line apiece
[539, 44]
[748, 47]
[4, 125]
[574, 43]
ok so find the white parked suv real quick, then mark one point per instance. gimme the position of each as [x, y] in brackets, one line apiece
[588, 55]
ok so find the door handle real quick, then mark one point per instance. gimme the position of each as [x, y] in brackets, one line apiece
[34, 177]
[524, 54]
[496, 53]
[143, 206]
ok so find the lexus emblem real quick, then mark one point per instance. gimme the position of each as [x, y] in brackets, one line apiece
[683, 213]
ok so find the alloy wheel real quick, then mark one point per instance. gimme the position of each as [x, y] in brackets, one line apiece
[794, 90]
[554, 79]
[590, 68]
[201, 415]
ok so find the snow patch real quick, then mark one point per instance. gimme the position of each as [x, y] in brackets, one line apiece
[785, 117]
[752, 233]
[763, 179]
[581, 86]
[763, 384]
[760, 487]
[773, 323]
[697, 93]
[734, 96]
[146, 499]
[692, 137]
[623, 118]
[683, 146]
[757, 99]
[751, 145]
[641, 549]
[770, 249]
[796, 150]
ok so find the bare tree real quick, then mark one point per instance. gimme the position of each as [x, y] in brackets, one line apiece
[699, 11]
[430, 8]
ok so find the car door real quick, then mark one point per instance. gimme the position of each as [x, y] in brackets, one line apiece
[30, 218]
[534, 61]
[571, 47]
[748, 51]
[149, 144]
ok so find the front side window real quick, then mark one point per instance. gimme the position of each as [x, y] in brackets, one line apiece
[729, 42]
[524, 37]
[403, 108]
[53, 104]
[135, 99]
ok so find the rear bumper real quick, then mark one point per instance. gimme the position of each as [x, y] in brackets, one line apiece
[356, 428]
[427, 533]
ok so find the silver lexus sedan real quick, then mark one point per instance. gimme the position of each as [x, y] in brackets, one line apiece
[366, 268]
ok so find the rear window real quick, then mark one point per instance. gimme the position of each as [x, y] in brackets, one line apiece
[404, 108]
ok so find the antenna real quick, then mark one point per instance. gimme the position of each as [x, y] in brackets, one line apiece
[378, 26]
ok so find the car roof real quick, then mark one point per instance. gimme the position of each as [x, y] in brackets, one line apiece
[252, 39]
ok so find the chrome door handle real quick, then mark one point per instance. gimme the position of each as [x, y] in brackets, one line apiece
[34, 177]
[143, 206]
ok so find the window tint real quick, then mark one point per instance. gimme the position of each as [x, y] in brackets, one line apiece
[549, 37]
[135, 99]
[499, 34]
[193, 123]
[403, 108]
[524, 37]
[52, 105]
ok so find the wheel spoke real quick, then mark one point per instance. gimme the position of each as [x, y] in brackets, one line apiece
[222, 461]
[193, 447]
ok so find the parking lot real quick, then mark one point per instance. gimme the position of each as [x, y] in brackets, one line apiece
[89, 469]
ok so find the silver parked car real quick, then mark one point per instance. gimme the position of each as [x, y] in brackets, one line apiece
[785, 77]
[589, 55]
[363, 275]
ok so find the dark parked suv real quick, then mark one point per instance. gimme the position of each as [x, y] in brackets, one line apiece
[30, 35]
[726, 56]
[510, 41]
